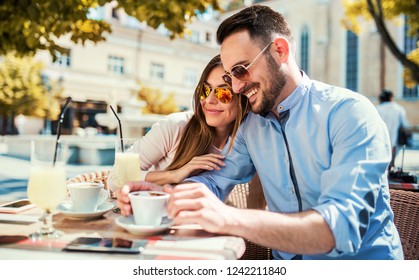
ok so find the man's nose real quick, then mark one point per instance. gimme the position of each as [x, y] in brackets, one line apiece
[237, 85]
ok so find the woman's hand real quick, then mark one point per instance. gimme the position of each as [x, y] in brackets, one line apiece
[194, 167]
[197, 165]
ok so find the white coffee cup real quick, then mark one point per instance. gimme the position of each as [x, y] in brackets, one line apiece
[87, 196]
[148, 207]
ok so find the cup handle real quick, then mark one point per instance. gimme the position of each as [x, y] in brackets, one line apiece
[103, 197]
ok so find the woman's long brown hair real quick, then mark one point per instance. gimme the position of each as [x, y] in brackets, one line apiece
[198, 135]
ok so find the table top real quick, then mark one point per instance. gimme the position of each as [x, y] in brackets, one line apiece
[176, 243]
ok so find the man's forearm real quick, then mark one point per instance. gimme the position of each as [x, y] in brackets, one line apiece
[299, 233]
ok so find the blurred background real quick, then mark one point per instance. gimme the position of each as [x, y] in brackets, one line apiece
[112, 58]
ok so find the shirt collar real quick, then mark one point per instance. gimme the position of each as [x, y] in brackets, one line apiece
[295, 96]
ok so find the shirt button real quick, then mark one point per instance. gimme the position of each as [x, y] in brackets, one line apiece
[280, 108]
[292, 190]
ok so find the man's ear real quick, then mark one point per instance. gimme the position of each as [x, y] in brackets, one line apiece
[282, 49]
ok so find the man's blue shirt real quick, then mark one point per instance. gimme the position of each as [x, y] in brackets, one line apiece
[328, 151]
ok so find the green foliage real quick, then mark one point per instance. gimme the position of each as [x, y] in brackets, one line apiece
[174, 14]
[235, 4]
[27, 26]
[407, 74]
[156, 104]
[22, 91]
[391, 10]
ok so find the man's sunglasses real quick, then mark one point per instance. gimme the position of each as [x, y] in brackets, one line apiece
[240, 71]
[223, 94]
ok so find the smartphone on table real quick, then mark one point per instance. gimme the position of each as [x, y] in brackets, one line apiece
[106, 245]
[16, 206]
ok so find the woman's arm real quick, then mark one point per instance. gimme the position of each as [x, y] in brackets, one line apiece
[195, 166]
[158, 146]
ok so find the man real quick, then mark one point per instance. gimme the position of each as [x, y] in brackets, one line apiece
[320, 151]
[394, 117]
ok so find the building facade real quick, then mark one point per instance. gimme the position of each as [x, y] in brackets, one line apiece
[133, 55]
[110, 72]
[328, 52]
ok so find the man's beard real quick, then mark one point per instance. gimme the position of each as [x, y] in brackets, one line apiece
[278, 79]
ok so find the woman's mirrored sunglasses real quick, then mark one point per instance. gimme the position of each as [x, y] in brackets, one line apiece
[223, 94]
[240, 71]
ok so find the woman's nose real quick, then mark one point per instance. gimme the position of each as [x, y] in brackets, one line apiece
[211, 97]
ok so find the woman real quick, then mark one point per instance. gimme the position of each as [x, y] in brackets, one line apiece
[186, 143]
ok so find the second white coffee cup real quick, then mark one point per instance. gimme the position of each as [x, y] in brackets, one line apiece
[87, 196]
[148, 207]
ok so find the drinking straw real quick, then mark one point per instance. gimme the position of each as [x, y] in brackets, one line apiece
[59, 127]
[120, 128]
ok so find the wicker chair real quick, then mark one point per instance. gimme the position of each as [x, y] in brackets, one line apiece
[405, 205]
[99, 176]
[240, 197]
[243, 196]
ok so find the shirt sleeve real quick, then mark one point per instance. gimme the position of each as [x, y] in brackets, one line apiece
[222, 181]
[156, 145]
[163, 137]
[351, 187]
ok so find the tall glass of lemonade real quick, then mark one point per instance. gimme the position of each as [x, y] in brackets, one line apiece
[47, 182]
[127, 161]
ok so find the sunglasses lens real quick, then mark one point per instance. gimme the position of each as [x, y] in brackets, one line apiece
[224, 95]
[240, 72]
[206, 91]
[227, 79]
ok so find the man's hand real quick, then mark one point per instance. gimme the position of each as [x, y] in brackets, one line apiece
[195, 203]
[122, 194]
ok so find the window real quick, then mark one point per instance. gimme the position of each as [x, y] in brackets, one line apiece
[116, 65]
[97, 13]
[190, 78]
[157, 71]
[351, 61]
[304, 50]
[195, 37]
[63, 60]
[115, 13]
[208, 36]
[409, 45]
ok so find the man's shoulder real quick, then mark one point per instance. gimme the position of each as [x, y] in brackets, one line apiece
[398, 106]
[335, 99]
[391, 107]
[327, 92]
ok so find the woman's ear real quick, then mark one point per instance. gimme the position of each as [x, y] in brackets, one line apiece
[282, 49]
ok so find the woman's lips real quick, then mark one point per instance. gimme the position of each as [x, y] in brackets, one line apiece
[213, 111]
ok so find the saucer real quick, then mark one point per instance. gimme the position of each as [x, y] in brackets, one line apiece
[129, 225]
[66, 209]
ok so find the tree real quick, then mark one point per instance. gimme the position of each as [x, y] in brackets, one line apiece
[27, 26]
[379, 11]
[22, 89]
[156, 103]
[235, 4]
